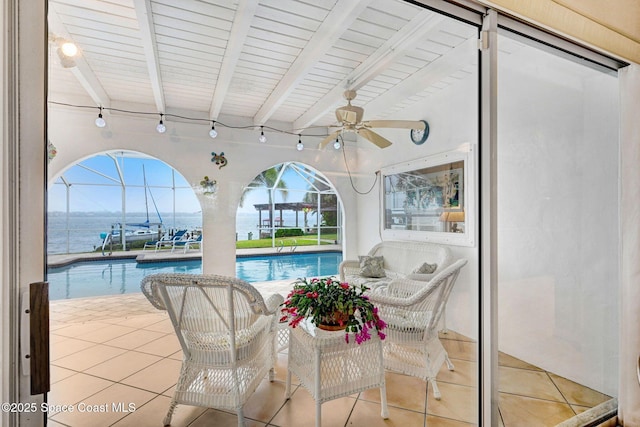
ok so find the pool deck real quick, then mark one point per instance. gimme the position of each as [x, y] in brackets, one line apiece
[60, 260]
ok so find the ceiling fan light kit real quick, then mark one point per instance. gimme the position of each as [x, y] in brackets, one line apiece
[350, 119]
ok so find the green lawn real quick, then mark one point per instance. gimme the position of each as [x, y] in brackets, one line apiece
[310, 240]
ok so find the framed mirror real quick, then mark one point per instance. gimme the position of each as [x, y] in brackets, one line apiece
[431, 199]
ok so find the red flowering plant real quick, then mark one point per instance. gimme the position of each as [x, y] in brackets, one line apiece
[334, 305]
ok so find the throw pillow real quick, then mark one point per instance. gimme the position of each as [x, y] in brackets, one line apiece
[425, 268]
[372, 266]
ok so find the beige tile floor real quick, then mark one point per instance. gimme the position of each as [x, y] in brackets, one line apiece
[120, 350]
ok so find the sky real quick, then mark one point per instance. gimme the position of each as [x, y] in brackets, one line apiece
[104, 193]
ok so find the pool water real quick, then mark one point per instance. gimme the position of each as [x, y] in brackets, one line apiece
[113, 277]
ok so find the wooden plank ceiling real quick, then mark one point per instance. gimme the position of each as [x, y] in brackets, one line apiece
[268, 60]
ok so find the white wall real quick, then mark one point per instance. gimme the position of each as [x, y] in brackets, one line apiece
[558, 217]
[452, 114]
[187, 147]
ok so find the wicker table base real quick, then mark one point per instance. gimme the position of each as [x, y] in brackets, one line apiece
[339, 368]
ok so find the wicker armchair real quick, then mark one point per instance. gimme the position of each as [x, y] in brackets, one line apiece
[413, 312]
[227, 333]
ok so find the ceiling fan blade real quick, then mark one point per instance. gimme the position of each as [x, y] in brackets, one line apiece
[374, 137]
[398, 124]
[328, 139]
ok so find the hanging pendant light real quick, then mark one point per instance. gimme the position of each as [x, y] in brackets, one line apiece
[262, 138]
[100, 122]
[161, 128]
[213, 132]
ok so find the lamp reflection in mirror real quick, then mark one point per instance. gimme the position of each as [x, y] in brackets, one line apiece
[451, 220]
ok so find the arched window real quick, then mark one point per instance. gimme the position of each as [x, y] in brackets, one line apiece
[133, 196]
[289, 204]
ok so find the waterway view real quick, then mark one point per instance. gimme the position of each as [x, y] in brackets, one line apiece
[81, 231]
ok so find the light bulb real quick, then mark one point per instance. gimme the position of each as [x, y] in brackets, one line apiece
[100, 121]
[161, 128]
[299, 145]
[213, 132]
[69, 49]
[337, 144]
[65, 61]
[262, 138]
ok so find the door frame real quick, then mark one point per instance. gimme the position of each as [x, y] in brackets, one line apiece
[23, 173]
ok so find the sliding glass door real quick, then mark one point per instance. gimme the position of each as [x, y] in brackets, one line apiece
[558, 199]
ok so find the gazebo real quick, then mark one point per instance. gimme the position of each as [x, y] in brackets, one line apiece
[265, 225]
[294, 181]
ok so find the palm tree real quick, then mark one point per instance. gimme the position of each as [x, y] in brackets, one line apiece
[270, 179]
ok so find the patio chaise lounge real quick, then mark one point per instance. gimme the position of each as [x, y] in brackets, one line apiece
[186, 244]
[165, 241]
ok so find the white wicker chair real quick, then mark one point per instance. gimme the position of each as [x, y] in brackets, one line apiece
[413, 312]
[227, 333]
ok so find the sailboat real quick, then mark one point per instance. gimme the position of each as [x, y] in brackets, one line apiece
[139, 231]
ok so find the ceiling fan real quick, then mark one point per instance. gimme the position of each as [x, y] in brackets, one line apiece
[350, 118]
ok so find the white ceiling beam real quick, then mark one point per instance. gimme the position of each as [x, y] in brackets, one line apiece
[397, 46]
[90, 83]
[449, 63]
[343, 14]
[239, 31]
[82, 72]
[148, 39]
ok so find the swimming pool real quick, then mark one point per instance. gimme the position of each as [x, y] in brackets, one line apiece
[121, 276]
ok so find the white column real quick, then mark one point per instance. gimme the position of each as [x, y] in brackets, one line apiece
[219, 232]
[629, 388]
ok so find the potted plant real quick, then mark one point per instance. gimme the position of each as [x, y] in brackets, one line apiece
[333, 305]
